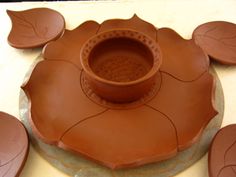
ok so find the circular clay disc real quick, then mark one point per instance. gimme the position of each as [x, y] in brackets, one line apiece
[75, 165]
[222, 155]
[218, 40]
[13, 146]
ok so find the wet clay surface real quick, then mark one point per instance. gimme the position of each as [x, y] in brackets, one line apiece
[13, 146]
[34, 27]
[218, 40]
[64, 112]
[222, 154]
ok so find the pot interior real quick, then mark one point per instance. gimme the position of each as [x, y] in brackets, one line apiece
[121, 59]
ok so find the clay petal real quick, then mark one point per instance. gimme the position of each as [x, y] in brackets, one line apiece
[35, 27]
[134, 23]
[123, 138]
[187, 104]
[182, 59]
[218, 40]
[68, 47]
[57, 100]
[222, 153]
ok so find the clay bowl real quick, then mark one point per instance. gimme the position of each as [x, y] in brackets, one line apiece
[120, 65]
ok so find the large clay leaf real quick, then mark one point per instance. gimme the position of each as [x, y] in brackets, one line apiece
[222, 155]
[13, 145]
[218, 40]
[35, 27]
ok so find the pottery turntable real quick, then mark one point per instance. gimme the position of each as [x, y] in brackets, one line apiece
[119, 98]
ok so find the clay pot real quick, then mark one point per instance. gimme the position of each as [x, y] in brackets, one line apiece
[120, 65]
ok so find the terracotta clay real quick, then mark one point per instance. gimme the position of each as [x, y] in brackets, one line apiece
[120, 65]
[222, 154]
[13, 146]
[183, 59]
[34, 27]
[218, 40]
[133, 24]
[66, 112]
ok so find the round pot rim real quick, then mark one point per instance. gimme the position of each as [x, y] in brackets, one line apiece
[157, 61]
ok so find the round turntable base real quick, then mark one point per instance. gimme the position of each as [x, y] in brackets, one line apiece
[77, 166]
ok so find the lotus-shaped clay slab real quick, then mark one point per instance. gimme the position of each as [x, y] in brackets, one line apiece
[13, 146]
[66, 112]
[222, 155]
[218, 40]
[34, 27]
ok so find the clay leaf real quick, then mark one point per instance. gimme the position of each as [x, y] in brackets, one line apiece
[222, 155]
[13, 147]
[34, 27]
[218, 40]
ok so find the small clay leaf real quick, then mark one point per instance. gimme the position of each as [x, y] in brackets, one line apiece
[229, 155]
[227, 172]
[34, 27]
[222, 155]
[218, 40]
[13, 146]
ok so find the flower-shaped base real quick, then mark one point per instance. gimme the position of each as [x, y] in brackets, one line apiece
[172, 120]
[77, 165]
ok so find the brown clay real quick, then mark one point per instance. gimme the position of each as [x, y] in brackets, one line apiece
[35, 27]
[180, 102]
[71, 43]
[135, 23]
[13, 146]
[182, 59]
[121, 65]
[218, 40]
[222, 154]
[67, 111]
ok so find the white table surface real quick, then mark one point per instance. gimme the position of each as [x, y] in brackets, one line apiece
[181, 15]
